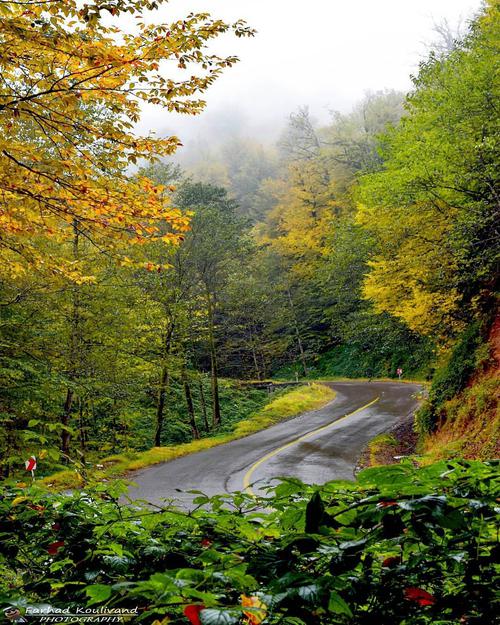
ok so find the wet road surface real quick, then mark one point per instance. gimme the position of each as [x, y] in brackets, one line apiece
[316, 446]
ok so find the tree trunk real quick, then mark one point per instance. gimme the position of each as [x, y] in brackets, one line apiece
[75, 341]
[216, 414]
[81, 427]
[189, 404]
[297, 332]
[65, 437]
[254, 355]
[203, 405]
[162, 389]
[264, 364]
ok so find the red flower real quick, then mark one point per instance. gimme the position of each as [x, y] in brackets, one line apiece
[386, 504]
[55, 526]
[34, 506]
[193, 613]
[206, 542]
[391, 562]
[53, 548]
[420, 596]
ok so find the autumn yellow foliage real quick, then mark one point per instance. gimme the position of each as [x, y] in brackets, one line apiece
[297, 227]
[402, 278]
[71, 92]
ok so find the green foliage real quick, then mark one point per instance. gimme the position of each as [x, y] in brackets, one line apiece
[452, 377]
[370, 361]
[433, 207]
[378, 356]
[401, 545]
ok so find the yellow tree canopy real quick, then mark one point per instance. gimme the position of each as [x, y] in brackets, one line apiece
[413, 251]
[71, 88]
[297, 227]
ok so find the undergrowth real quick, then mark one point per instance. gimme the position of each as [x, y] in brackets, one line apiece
[470, 424]
[380, 444]
[399, 545]
[353, 360]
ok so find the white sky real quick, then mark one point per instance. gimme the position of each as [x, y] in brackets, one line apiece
[323, 53]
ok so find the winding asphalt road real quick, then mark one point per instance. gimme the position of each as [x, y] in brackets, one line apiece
[316, 447]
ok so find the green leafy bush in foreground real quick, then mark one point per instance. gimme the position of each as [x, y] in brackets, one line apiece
[399, 546]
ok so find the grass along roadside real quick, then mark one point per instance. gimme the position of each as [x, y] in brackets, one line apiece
[390, 447]
[290, 404]
[421, 381]
[338, 378]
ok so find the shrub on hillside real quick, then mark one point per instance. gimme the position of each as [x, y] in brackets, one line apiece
[453, 376]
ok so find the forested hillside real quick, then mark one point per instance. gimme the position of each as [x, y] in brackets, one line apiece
[147, 310]
[128, 301]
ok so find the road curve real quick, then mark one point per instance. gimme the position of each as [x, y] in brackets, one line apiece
[316, 446]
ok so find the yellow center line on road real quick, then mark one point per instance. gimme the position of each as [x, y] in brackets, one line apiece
[248, 475]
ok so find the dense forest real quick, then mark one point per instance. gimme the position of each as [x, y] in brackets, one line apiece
[132, 302]
[148, 303]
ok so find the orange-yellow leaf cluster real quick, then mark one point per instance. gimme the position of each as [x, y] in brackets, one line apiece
[71, 90]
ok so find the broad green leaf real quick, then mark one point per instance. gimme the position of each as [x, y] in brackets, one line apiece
[213, 616]
[337, 605]
[98, 593]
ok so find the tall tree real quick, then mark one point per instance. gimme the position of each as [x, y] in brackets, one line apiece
[214, 243]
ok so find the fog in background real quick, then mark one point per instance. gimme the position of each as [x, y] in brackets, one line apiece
[323, 53]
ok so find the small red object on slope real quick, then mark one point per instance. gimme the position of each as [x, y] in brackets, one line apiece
[193, 613]
[30, 464]
[387, 504]
[53, 548]
[420, 596]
